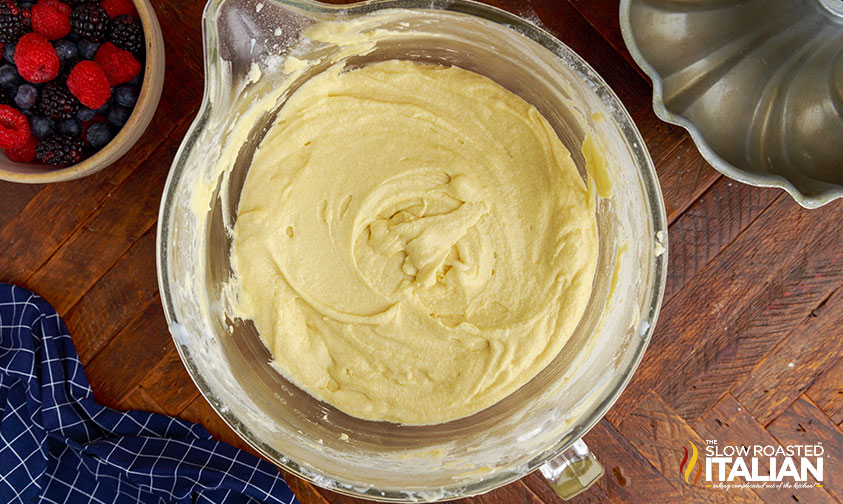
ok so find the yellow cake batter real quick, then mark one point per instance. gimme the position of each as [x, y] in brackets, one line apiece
[413, 242]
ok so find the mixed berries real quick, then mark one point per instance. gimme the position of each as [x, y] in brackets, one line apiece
[70, 76]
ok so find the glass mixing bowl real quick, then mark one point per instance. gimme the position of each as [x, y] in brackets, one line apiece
[246, 43]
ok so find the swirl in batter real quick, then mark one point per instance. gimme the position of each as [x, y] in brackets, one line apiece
[413, 242]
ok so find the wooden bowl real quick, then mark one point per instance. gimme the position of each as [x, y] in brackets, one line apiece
[150, 93]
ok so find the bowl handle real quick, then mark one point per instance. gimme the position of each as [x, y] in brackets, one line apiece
[573, 471]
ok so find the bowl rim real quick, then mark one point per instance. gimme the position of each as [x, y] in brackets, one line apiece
[711, 157]
[149, 96]
[644, 164]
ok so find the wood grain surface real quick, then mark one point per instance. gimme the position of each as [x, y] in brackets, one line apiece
[748, 349]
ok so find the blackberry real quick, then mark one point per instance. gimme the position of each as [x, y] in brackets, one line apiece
[12, 24]
[60, 150]
[89, 21]
[56, 102]
[127, 33]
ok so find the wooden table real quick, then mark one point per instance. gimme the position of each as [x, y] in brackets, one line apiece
[748, 347]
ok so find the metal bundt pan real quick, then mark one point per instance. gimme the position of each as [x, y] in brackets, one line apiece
[758, 84]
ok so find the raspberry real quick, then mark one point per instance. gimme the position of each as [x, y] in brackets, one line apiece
[88, 83]
[58, 5]
[36, 58]
[14, 128]
[23, 154]
[119, 65]
[116, 8]
[51, 19]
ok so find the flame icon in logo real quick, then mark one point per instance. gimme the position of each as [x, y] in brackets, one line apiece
[687, 466]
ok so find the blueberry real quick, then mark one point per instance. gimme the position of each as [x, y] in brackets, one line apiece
[70, 127]
[42, 126]
[26, 5]
[87, 49]
[8, 76]
[85, 114]
[26, 96]
[118, 115]
[104, 108]
[126, 95]
[67, 51]
[28, 114]
[9, 52]
[98, 135]
[137, 79]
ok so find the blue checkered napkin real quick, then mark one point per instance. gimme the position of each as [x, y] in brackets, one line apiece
[57, 445]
